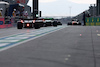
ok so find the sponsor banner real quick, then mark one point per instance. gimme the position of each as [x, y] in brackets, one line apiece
[93, 21]
[3, 25]
[1, 22]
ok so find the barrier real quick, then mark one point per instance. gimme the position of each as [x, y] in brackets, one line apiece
[3, 24]
[93, 21]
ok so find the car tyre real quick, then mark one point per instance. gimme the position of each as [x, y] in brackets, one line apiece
[19, 25]
[36, 26]
[55, 24]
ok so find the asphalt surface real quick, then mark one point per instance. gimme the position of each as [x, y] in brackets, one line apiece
[73, 46]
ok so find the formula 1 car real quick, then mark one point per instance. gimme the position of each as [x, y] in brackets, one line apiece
[74, 22]
[28, 24]
[48, 23]
[54, 23]
[59, 23]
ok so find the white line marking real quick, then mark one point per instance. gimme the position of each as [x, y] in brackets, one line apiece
[66, 59]
[69, 55]
[29, 40]
[18, 38]
[3, 44]
[25, 35]
[98, 34]
[8, 41]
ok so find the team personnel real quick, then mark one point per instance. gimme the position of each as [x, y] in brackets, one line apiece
[14, 13]
[84, 16]
[1, 12]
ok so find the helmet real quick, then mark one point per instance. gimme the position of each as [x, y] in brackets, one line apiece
[14, 9]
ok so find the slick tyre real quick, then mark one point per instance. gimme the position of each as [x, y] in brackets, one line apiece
[19, 25]
[36, 26]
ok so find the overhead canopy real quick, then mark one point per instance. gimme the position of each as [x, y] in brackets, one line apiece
[21, 5]
[2, 2]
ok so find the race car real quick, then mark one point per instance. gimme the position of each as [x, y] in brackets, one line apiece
[54, 23]
[28, 23]
[59, 23]
[74, 22]
[48, 23]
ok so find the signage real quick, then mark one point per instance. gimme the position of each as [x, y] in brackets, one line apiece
[1, 22]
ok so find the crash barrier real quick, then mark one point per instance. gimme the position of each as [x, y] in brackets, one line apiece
[93, 21]
[1, 21]
[5, 24]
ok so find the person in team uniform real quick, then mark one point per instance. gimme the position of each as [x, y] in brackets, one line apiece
[14, 13]
[1, 12]
[84, 16]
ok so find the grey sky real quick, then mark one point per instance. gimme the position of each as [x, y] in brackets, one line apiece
[62, 7]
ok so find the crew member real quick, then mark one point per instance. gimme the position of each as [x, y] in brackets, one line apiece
[84, 16]
[1, 12]
[14, 13]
